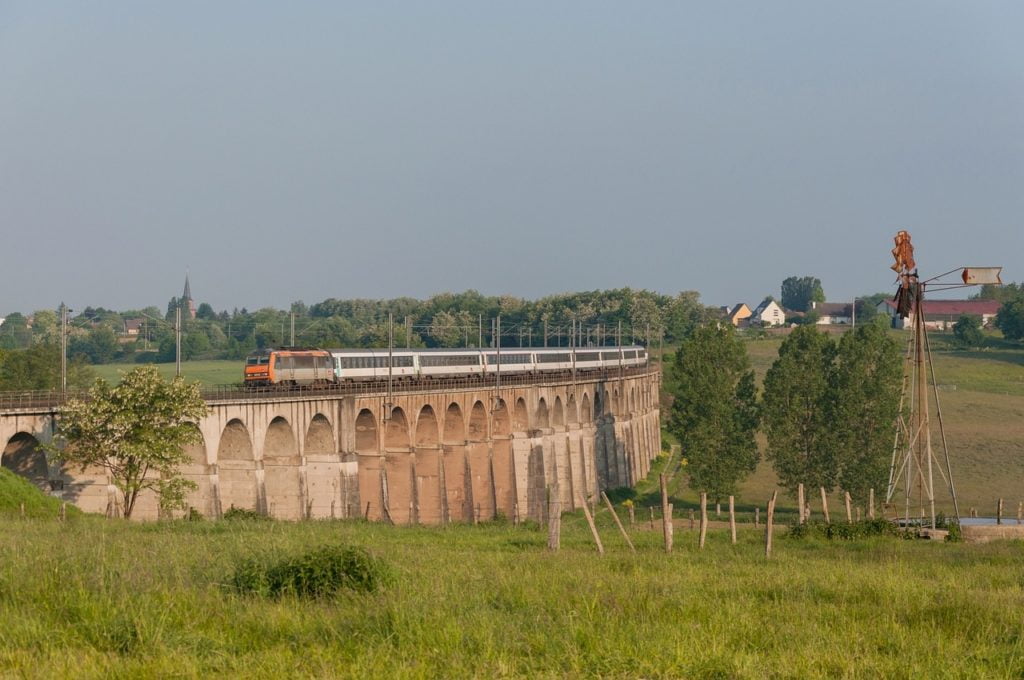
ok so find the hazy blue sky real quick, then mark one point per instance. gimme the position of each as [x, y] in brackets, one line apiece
[285, 151]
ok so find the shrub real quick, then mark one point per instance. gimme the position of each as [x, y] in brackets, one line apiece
[234, 513]
[321, 572]
[846, 531]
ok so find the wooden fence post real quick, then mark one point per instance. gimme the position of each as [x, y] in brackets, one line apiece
[632, 515]
[615, 516]
[554, 520]
[849, 517]
[732, 519]
[1020, 511]
[769, 522]
[800, 502]
[999, 512]
[692, 521]
[666, 514]
[757, 516]
[824, 506]
[718, 510]
[871, 503]
[703, 517]
[593, 529]
[652, 517]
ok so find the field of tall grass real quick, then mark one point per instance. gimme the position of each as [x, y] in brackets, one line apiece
[97, 598]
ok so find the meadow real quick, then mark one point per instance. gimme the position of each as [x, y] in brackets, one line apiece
[208, 372]
[98, 598]
[982, 397]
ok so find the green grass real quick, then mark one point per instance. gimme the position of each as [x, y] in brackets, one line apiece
[17, 494]
[209, 373]
[98, 598]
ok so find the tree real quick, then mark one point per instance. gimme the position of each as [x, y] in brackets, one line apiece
[38, 368]
[714, 412]
[14, 332]
[795, 410]
[967, 331]
[1010, 318]
[866, 380]
[137, 430]
[798, 292]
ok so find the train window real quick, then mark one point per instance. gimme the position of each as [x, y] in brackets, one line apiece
[402, 362]
[559, 358]
[450, 360]
[520, 358]
[588, 356]
[610, 356]
[278, 363]
[303, 362]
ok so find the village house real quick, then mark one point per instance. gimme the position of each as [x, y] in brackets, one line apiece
[942, 314]
[768, 313]
[832, 313]
[738, 315]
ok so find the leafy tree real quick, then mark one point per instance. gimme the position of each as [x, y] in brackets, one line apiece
[967, 331]
[14, 332]
[1010, 318]
[866, 390]
[45, 326]
[798, 292]
[714, 412]
[1004, 293]
[867, 306]
[796, 411]
[137, 430]
[205, 311]
[38, 368]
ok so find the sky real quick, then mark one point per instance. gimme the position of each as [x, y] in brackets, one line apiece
[301, 151]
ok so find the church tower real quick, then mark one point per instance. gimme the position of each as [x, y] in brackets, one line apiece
[188, 305]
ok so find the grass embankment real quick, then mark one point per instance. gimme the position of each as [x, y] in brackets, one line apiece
[18, 495]
[97, 598]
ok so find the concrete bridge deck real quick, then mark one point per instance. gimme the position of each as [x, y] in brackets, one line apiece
[445, 450]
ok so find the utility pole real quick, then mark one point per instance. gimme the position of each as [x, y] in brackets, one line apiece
[63, 348]
[291, 342]
[177, 341]
[480, 330]
[497, 380]
[408, 333]
[391, 351]
[545, 332]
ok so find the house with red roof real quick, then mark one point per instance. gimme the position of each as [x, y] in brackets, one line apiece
[942, 314]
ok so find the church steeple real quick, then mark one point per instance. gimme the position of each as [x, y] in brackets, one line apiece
[187, 303]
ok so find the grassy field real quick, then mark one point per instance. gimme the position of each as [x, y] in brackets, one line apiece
[96, 598]
[208, 373]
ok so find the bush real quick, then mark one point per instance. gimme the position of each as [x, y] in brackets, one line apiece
[321, 572]
[234, 513]
[846, 531]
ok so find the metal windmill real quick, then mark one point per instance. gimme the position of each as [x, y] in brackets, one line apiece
[911, 473]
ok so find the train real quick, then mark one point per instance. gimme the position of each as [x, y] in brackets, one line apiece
[293, 367]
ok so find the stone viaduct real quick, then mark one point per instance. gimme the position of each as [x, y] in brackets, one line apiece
[439, 455]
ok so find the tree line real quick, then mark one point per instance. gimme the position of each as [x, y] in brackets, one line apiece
[827, 409]
[97, 335]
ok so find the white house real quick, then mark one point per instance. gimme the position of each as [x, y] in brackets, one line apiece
[769, 313]
[832, 313]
